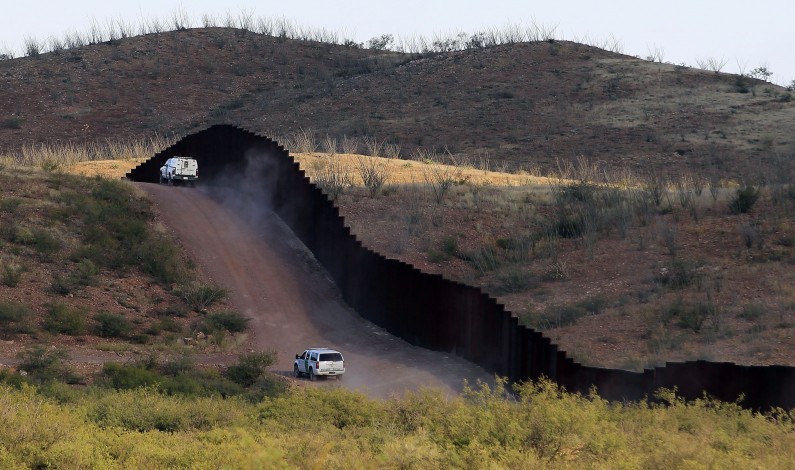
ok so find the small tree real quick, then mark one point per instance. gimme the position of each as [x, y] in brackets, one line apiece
[373, 172]
[744, 199]
[380, 43]
[251, 367]
[761, 73]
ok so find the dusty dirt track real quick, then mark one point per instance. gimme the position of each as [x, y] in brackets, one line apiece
[293, 305]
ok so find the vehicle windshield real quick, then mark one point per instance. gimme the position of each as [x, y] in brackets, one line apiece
[331, 357]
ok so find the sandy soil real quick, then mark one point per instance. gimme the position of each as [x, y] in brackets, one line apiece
[292, 304]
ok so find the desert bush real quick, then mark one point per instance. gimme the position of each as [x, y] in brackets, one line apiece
[64, 319]
[440, 177]
[63, 285]
[161, 258]
[112, 325]
[200, 296]
[46, 364]
[143, 409]
[127, 376]
[44, 242]
[12, 272]
[744, 199]
[678, 274]
[234, 322]
[330, 176]
[350, 145]
[302, 141]
[14, 317]
[251, 367]
[752, 312]
[10, 204]
[12, 123]
[373, 173]
[330, 145]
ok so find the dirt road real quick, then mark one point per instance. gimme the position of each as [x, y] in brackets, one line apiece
[274, 280]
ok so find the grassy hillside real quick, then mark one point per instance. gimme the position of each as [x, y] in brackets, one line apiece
[85, 265]
[518, 105]
[619, 270]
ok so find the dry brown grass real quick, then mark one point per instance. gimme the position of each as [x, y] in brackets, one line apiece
[412, 171]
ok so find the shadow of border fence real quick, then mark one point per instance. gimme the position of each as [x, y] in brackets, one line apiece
[429, 311]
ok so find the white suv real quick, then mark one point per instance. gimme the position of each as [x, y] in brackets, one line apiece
[319, 361]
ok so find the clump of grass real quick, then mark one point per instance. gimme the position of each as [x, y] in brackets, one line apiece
[234, 322]
[199, 296]
[514, 279]
[565, 315]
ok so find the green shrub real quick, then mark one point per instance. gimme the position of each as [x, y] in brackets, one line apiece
[752, 312]
[112, 325]
[13, 317]
[22, 235]
[12, 273]
[44, 242]
[46, 364]
[450, 246]
[200, 296]
[679, 274]
[124, 377]
[251, 367]
[64, 319]
[693, 318]
[12, 123]
[688, 316]
[10, 204]
[233, 322]
[85, 273]
[64, 285]
[744, 199]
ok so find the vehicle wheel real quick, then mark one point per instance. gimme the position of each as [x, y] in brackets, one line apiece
[312, 375]
[296, 372]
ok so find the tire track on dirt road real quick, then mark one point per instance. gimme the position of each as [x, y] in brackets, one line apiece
[293, 305]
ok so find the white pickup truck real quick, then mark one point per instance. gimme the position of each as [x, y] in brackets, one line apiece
[179, 169]
[319, 361]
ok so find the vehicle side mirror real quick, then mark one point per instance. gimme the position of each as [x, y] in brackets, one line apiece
[298, 356]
